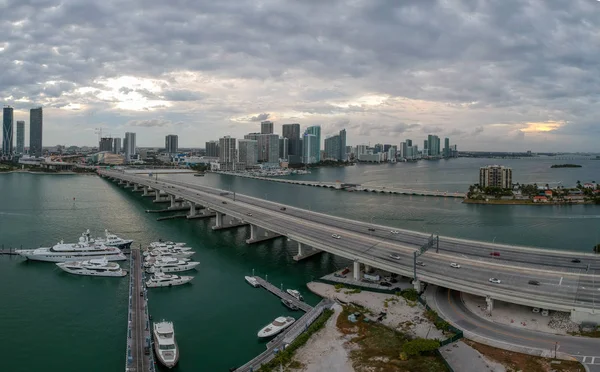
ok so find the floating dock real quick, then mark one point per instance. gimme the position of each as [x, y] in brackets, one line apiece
[281, 294]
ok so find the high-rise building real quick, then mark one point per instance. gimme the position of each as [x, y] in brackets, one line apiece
[36, 127]
[425, 147]
[20, 137]
[332, 147]
[227, 153]
[495, 176]
[116, 145]
[106, 144]
[268, 147]
[171, 144]
[310, 148]
[343, 151]
[248, 152]
[315, 130]
[447, 151]
[130, 148]
[377, 148]
[433, 145]
[212, 149]
[284, 148]
[7, 131]
[386, 147]
[292, 133]
[266, 127]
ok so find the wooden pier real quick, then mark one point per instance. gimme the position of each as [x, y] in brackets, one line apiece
[281, 294]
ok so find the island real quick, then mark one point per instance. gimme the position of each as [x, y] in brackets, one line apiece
[566, 166]
[587, 193]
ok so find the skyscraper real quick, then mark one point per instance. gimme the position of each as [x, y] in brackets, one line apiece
[116, 145]
[495, 176]
[20, 137]
[332, 147]
[171, 143]
[310, 148]
[248, 151]
[266, 127]
[284, 148]
[130, 148]
[106, 144]
[36, 120]
[227, 153]
[315, 130]
[343, 152]
[212, 149]
[292, 133]
[433, 143]
[7, 131]
[447, 151]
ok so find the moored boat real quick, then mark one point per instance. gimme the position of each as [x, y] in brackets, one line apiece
[165, 345]
[294, 293]
[252, 281]
[85, 249]
[289, 304]
[167, 280]
[170, 265]
[276, 326]
[94, 267]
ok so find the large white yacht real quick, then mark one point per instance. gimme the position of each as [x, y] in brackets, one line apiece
[276, 326]
[85, 249]
[171, 252]
[167, 280]
[95, 267]
[170, 265]
[112, 240]
[165, 345]
[167, 244]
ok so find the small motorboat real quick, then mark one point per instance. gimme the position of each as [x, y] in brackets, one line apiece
[289, 304]
[252, 281]
[276, 326]
[294, 293]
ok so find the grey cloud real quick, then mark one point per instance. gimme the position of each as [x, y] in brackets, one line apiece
[125, 90]
[431, 129]
[183, 95]
[149, 123]
[477, 131]
[259, 117]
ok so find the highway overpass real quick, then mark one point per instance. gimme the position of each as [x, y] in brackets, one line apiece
[567, 281]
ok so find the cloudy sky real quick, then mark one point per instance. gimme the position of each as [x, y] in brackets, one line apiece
[490, 74]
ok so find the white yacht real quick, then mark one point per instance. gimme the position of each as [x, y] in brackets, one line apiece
[165, 345]
[252, 281]
[276, 326]
[294, 293]
[112, 240]
[167, 280]
[85, 249]
[163, 244]
[170, 265]
[95, 267]
[171, 252]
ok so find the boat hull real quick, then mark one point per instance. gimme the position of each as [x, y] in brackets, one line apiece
[69, 258]
[274, 332]
[183, 280]
[168, 364]
[118, 274]
[253, 282]
[174, 269]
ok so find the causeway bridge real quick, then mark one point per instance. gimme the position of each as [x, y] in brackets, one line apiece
[563, 280]
[355, 187]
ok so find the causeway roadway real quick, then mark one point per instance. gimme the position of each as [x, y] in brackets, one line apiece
[567, 280]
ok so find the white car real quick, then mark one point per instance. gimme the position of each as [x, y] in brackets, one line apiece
[494, 280]
[420, 263]
[536, 310]
[395, 256]
[249, 214]
[335, 236]
[455, 265]
[395, 232]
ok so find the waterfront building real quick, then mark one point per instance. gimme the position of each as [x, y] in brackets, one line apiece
[268, 147]
[391, 154]
[310, 148]
[266, 127]
[130, 148]
[248, 152]
[7, 131]
[116, 145]
[227, 153]
[171, 144]
[361, 149]
[284, 148]
[106, 144]
[292, 133]
[433, 146]
[447, 151]
[495, 176]
[315, 130]
[36, 125]
[377, 148]
[332, 147]
[212, 149]
[20, 137]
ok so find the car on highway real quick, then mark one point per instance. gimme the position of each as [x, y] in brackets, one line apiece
[420, 263]
[371, 229]
[224, 202]
[385, 284]
[545, 312]
[533, 282]
[336, 236]
[282, 209]
[395, 256]
[495, 281]
[497, 254]
[535, 310]
[455, 265]
[395, 232]
[249, 214]
[576, 260]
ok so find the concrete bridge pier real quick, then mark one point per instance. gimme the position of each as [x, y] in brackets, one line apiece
[128, 185]
[202, 213]
[305, 251]
[224, 221]
[136, 187]
[356, 270]
[193, 211]
[490, 304]
[121, 182]
[258, 234]
[159, 198]
[148, 191]
[418, 285]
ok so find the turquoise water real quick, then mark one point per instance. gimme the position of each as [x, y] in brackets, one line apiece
[61, 322]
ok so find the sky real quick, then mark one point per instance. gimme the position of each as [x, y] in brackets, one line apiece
[499, 75]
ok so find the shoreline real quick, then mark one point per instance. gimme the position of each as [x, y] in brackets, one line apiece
[52, 173]
[520, 202]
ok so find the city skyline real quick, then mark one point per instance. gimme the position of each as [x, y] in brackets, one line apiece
[479, 82]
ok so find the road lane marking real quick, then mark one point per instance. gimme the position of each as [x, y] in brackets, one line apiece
[561, 278]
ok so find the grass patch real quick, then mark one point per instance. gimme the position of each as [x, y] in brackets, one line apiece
[523, 362]
[285, 357]
[352, 291]
[380, 347]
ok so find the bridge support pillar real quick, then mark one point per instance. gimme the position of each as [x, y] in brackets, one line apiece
[172, 200]
[158, 198]
[192, 209]
[146, 191]
[258, 234]
[128, 185]
[490, 304]
[418, 285]
[219, 220]
[305, 251]
[203, 213]
[136, 187]
[356, 271]
[121, 182]
[227, 222]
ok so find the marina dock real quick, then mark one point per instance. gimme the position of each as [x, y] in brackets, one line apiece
[281, 294]
[287, 337]
[140, 356]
